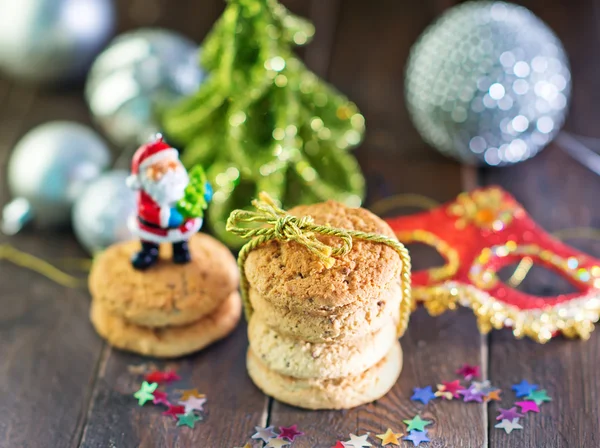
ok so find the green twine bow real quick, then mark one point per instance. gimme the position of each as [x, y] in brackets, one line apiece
[276, 224]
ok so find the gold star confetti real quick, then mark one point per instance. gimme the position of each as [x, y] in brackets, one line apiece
[189, 393]
[493, 395]
[389, 437]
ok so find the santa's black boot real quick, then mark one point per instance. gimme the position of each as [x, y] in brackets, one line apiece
[181, 253]
[145, 257]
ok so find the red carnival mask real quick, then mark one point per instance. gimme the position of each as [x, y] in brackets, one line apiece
[478, 234]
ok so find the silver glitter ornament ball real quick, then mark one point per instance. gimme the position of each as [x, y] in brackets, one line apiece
[48, 169]
[488, 83]
[139, 74]
[101, 212]
[52, 40]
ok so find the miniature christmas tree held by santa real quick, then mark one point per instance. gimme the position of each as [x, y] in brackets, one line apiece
[262, 121]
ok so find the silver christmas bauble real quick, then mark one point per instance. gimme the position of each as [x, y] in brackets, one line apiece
[489, 83]
[52, 40]
[48, 169]
[139, 73]
[101, 212]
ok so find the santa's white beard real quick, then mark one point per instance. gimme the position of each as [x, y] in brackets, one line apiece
[169, 189]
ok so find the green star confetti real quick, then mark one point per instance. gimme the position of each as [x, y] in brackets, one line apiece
[416, 423]
[145, 393]
[539, 396]
[188, 419]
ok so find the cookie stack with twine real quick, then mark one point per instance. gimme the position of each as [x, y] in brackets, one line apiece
[170, 310]
[326, 292]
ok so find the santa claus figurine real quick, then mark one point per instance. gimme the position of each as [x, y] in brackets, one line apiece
[161, 180]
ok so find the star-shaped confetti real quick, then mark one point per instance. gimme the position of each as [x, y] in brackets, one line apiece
[484, 387]
[277, 443]
[416, 437]
[524, 388]
[416, 423]
[509, 425]
[449, 389]
[539, 396]
[389, 437]
[160, 377]
[339, 444]
[161, 398]
[193, 404]
[188, 419]
[424, 395]
[146, 393]
[264, 434]
[174, 410]
[493, 395]
[357, 441]
[290, 432]
[471, 394]
[189, 393]
[468, 372]
[508, 414]
[247, 445]
[528, 406]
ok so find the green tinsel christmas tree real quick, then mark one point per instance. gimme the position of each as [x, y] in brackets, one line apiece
[262, 121]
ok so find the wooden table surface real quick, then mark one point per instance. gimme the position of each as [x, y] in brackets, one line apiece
[61, 386]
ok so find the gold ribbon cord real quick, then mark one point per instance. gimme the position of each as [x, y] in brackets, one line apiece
[275, 223]
[38, 265]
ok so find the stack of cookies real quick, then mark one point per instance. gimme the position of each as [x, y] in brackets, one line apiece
[170, 310]
[325, 338]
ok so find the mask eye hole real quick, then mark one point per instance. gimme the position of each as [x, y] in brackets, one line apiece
[535, 279]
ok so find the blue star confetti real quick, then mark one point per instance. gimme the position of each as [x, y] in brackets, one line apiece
[424, 395]
[524, 388]
[416, 437]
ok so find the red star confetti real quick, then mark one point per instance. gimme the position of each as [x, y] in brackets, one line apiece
[264, 434]
[193, 404]
[290, 433]
[449, 389]
[357, 441]
[162, 377]
[528, 406]
[188, 419]
[174, 410]
[468, 372]
[509, 425]
[145, 393]
[187, 393]
[338, 444]
[161, 398]
[508, 414]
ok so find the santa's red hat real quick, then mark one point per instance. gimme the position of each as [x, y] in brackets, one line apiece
[147, 155]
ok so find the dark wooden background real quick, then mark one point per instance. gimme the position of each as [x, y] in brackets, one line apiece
[61, 386]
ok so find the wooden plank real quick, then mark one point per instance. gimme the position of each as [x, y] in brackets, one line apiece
[558, 193]
[46, 372]
[233, 408]
[567, 369]
[370, 50]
